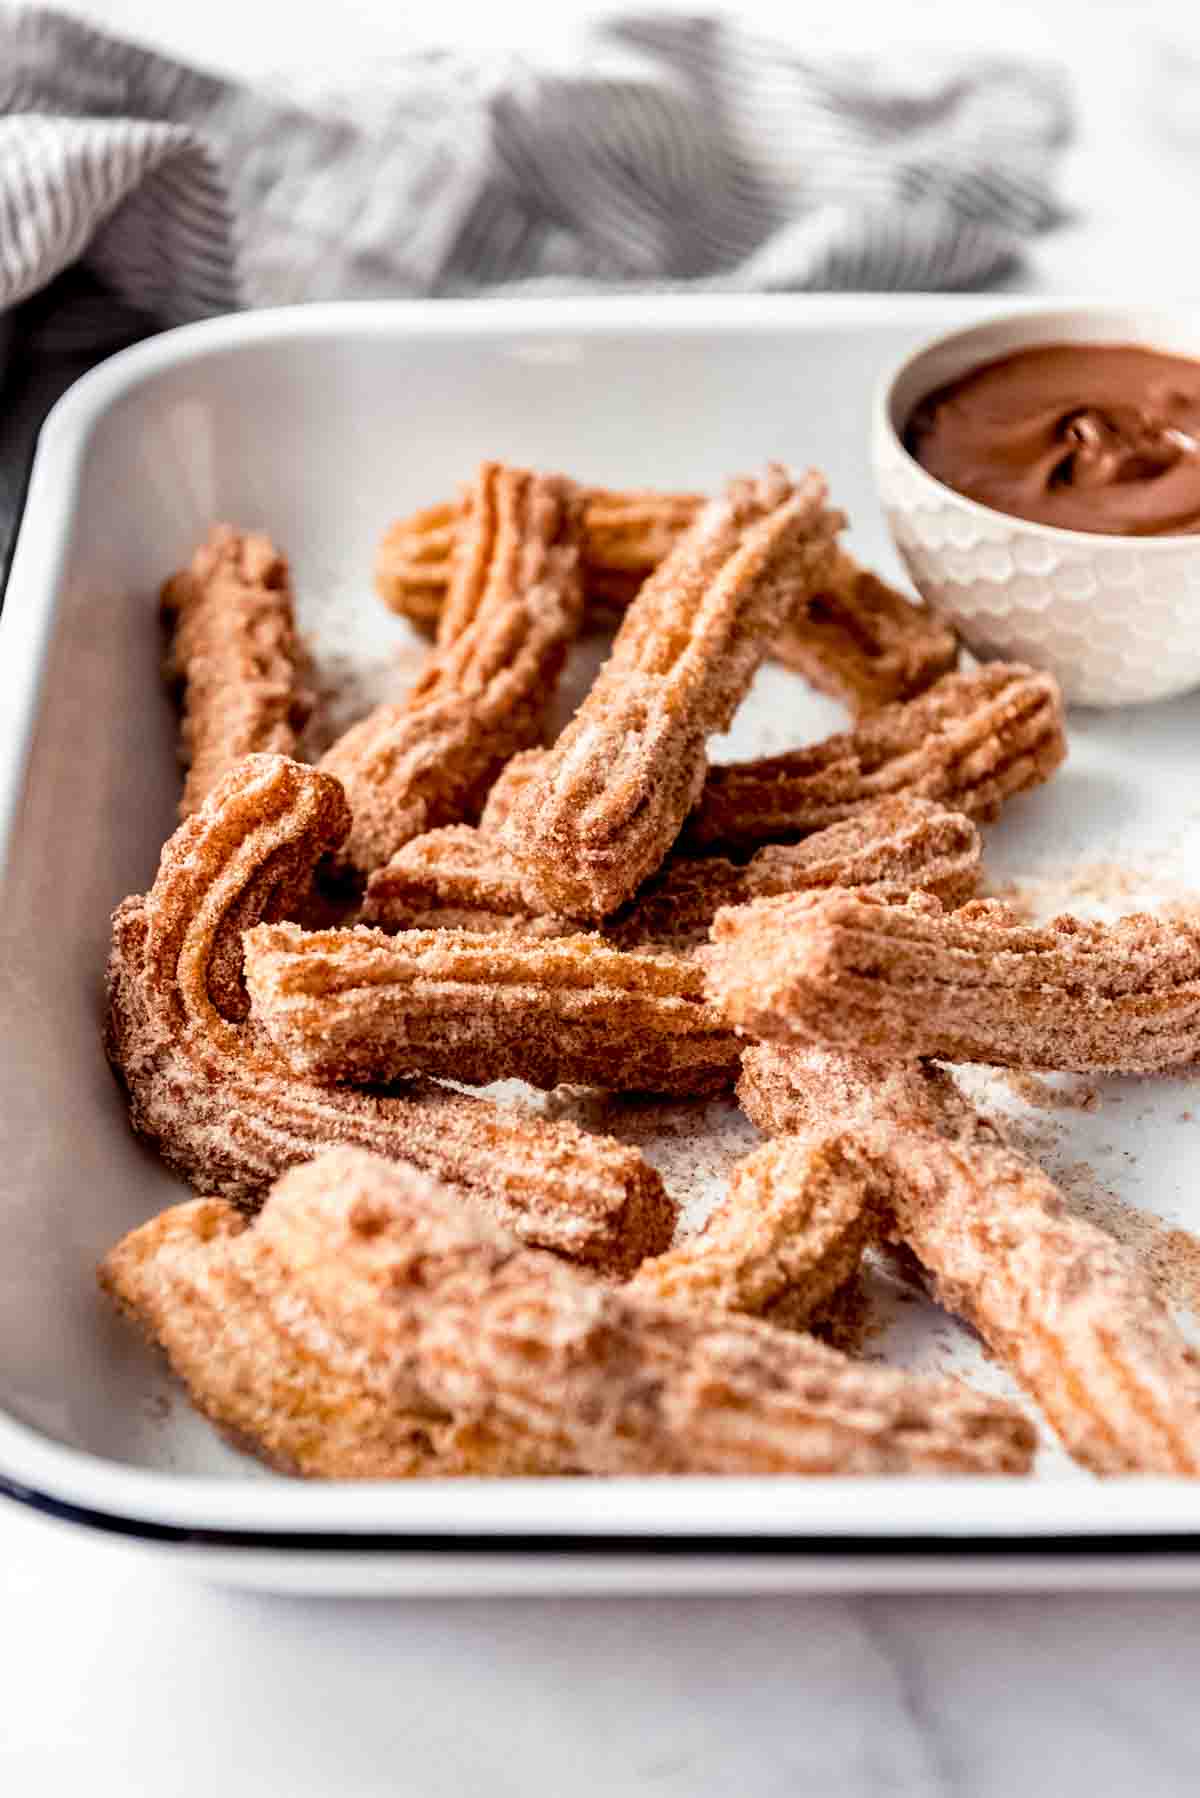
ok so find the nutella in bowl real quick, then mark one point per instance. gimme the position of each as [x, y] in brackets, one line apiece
[1039, 470]
[1096, 437]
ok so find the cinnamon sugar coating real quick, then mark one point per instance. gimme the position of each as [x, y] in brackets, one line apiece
[235, 657]
[863, 642]
[608, 800]
[971, 985]
[971, 742]
[513, 609]
[208, 1090]
[1062, 1304]
[362, 1006]
[788, 1234]
[462, 879]
[625, 536]
[854, 637]
[369, 1324]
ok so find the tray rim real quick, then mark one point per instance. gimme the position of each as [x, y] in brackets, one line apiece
[679, 1517]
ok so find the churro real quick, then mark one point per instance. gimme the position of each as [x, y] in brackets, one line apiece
[788, 1234]
[625, 536]
[607, 803]
[369, 1324]
[971, 985]
[972, 742]
[225, 1113]
[360, 1005]
[1061, 1303]
[512, 611]
[234, 657]
[863, 642]
[854, 637]
[463, 879]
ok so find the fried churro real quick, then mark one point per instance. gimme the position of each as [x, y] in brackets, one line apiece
[362, 1006]
[369, 1324]
[607, 803]
[513, 609]
[971, 985]
[463, 879]
[1061, 1303]
[222, 1109]
[864, 643]
[625, 535]
[853, 637]
[972, 742]
[234, 657]
[788, 1234]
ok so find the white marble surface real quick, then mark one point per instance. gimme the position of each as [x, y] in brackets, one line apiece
[118, 1676]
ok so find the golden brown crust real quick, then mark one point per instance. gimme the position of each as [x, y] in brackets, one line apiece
[625, 536]
[1065, 1306]
[463, 879]
[789, 1232]
[971, 985]
[607, 802]
[971, 742]
[362, 1006]
[856, 638]
[224, 1112]
[863, 642]
[513, 610]
[235, 657]
[371, 1325]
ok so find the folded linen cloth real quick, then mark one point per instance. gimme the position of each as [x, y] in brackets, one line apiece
[680, 153]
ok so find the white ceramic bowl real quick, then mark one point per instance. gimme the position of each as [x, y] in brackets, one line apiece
[1116, 619]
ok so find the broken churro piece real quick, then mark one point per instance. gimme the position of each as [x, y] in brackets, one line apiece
[234, 655]
[512, 612]
[863, 642]
[606, 804]
[971, 985]
[223, 1110]
[362, 1006]
[971, 742]
[463, 879]
[1066, 1307]
[790, 1231]
[368, 1324]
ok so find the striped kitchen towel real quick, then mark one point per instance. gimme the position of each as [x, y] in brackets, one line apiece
[678, 153]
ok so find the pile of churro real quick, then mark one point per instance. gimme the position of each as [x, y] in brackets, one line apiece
[382, 1274]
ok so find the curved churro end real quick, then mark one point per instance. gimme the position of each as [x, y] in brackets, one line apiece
[972, 742]
[235, 655]
[513, 610]
[788, 1234]
[607, 802]
[970, 985]
[225, 1112]
[413, 564]
[368, 1324]
[362, 1006]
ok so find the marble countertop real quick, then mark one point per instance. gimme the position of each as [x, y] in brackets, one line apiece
[118, 1674]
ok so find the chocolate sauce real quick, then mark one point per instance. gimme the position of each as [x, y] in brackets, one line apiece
[1093, 437]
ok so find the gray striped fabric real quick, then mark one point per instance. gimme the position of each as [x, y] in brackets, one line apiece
[681, 153]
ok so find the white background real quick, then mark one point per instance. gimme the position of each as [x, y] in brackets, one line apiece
[116, 1676]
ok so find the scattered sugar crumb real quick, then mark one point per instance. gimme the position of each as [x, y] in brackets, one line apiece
[1099, 890]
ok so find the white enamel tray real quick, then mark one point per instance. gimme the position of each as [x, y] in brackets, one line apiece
[322, 424]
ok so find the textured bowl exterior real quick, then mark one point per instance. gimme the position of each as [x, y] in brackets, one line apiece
[1117, 623]
[1115, 619]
